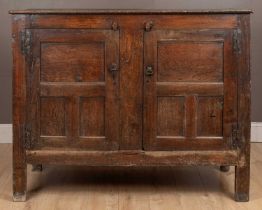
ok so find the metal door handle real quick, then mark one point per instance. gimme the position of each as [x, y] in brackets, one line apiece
[149, 71]
[113, 68]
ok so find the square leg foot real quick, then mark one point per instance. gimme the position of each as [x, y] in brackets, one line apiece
[242, 197]
[19, 197]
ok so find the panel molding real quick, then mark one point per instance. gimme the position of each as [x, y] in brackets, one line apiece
[6, 132]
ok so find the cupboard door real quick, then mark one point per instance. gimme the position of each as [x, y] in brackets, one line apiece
[74, 85]
[190, 89]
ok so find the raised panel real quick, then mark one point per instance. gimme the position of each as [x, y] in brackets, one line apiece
[52, 116]
[69, 62]
[170, 116]
[92, 116]
[210, 116]
[196, 66]
[190, 61]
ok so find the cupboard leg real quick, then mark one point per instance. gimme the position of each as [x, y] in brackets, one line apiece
[242, 175]
[19, 184]
[224, 168]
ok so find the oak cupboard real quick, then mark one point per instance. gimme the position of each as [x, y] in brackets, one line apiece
[131, 88]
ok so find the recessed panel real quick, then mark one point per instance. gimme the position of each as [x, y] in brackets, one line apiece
[190, 61]
[92, 116]
[170, 116]
[210, 116]
[52, 116]
[72, 62]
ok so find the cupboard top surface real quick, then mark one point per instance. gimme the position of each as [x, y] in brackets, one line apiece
[127, 11]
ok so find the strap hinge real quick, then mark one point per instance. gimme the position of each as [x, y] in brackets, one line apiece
[26, 41]
[237, 41]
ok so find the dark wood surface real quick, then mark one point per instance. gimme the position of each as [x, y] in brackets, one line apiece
[132, 158]
[242, 179]
[131, 88]
[78, 103]
[19, 109]
[188, 57]
[126, 11]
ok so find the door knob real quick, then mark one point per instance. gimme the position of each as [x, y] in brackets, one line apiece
[149, 71]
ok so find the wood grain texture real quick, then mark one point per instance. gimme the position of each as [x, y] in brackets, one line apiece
[131, 83]
[132, 157]
[128, 188]
[75, 65]
[196, 65]
[144, 88]
[190, 117]
[179, 21]
[170, 116]
[190, 88]
[92, 117]
[242, 174]
[19, 109]
[84, 62]
[53, 116]
[190, 61]
[210, 116]
[126, 11]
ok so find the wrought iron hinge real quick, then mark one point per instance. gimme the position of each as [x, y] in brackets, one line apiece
[27, 136]
[26, 41]
[237, 41]
[236, 136]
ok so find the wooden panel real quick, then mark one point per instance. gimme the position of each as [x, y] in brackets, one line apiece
[210, 116]
[53, 116]
[68, 62]
[242, 171]
[190, 105]
[193, 48]
[131, 64]
[132, 158]
[190, 88]
[75, 66]
[195, 21]
[133, 12]
[188, 144]
[71, 21]
[190, 64]
[190, 61]
[92, 116]
[170, 116]
[90, 89]
[160, 22]
[20, 105]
